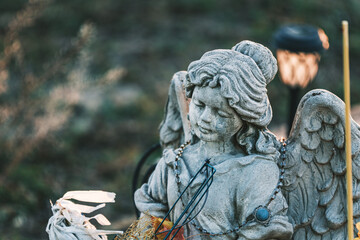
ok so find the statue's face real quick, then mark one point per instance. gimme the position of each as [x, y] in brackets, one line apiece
[211, 117]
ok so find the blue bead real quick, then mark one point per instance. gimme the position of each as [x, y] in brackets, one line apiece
[262, 214]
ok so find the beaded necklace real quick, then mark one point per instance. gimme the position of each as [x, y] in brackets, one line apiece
[261, 214]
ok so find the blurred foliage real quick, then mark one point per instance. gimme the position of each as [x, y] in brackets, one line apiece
[83, 85]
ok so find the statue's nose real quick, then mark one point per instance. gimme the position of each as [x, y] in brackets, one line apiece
[206, 115]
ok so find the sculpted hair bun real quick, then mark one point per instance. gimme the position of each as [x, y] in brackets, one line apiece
[262, 56]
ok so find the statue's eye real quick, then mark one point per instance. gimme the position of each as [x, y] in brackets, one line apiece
[198, 103]
[224, 114]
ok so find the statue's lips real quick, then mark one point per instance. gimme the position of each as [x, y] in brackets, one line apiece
[205, 130]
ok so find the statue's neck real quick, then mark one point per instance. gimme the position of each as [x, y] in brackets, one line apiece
[213, 149]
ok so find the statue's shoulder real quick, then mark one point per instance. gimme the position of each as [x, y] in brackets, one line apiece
[262, 172]
[249, 165]
[255, 160]
[258, 164]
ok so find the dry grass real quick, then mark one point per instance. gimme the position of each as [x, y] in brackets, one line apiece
[43, 104]
[139, 229]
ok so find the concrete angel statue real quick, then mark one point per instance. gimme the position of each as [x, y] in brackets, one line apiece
[262, 188]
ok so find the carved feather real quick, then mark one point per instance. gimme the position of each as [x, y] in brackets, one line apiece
[327, 196]
[338, 163]
[314, 124]
[330, 118]
[339, 136]
[336, 210]
[307, 155]
[310, 140]
[300, 234]
[313, 236]
[326, 177]
[319, 223]
[327, 132]
[324, 152]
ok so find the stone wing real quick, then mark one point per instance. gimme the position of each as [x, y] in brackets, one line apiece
[314, 180]
[175, 128]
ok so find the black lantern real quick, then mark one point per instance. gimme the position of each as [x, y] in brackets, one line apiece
[298, 54]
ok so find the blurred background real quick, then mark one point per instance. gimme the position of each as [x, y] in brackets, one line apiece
[83, 85]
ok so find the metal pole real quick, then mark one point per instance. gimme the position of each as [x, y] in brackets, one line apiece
[350, 226]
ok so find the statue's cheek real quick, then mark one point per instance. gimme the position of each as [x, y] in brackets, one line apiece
[223, 127]
[228, 127]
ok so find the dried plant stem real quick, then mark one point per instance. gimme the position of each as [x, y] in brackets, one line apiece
[61, 60]
[20, 114]
[23, 19]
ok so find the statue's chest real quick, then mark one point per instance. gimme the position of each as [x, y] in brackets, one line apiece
[215, 201]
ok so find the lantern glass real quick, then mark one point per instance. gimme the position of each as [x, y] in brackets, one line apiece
[297, 69]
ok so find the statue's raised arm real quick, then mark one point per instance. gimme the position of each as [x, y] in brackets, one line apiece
[175, 127]
[314, 180]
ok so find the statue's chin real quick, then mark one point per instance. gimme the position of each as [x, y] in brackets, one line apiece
[209, 137]
[208, 140]
[214, 138]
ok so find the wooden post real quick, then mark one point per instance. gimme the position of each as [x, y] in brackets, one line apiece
[350, 226]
